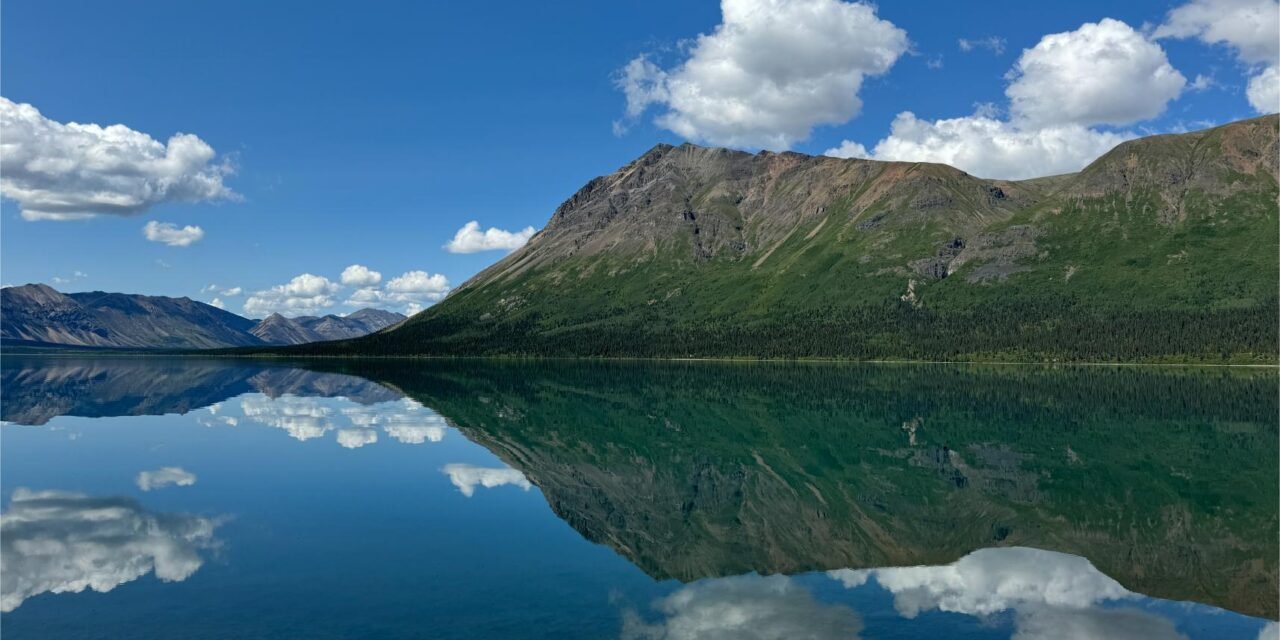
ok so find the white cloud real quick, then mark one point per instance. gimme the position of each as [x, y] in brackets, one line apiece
[1264, 90]
[993, 44]
[223, 291]
[57, 171]
[988, 147]
[768, 74]
[470, 239]
[356, 438]
[1103, 73]
[165, 477]
[217, 302]
[306, 294]
[1201, 83]
[1251, 28]
[58, 542]
[408, 293]
[170, 234]
[358, 275]
[744, 607]
[467, 477]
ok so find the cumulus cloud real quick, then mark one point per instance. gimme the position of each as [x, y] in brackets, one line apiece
[769, 73]
[470, 239]
[358, 275]
[172, 235]
[988, 147]
[467, 477]
[59, 542]
[165, 477]
[1249, 27]
[1264, 91]
[306, 294]
[744, 607]
[57, 171]
[408, 293]
[1103, 73]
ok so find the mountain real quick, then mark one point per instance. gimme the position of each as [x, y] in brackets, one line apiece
[36, 314]
[277, 329]
[1164, 249]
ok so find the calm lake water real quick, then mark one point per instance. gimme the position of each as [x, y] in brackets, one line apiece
[151, 498]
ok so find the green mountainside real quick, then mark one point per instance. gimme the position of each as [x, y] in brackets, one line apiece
[1164, 249]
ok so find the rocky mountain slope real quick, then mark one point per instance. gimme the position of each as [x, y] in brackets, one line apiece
[277, 329]
[36, 314]
[1163, 249]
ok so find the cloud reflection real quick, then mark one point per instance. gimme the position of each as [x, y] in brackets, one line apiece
[1054, 596]
[165, 477]
[307, 418]
[60, 542]
[743, 608]
[467, 477]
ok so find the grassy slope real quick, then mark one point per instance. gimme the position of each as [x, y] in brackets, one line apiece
[1108, 278]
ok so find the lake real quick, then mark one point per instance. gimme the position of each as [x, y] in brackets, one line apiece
[154, 498]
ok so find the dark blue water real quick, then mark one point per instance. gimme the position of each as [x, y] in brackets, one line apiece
[165, 499]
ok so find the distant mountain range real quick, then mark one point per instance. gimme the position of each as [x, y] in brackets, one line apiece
[39, 315]
[1164, 249]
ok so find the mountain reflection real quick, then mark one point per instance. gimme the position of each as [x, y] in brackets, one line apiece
[36, 390]
[1164, 479]
[707, 473]
[60, 542]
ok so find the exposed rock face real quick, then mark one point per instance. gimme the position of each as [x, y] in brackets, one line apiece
[37, 313]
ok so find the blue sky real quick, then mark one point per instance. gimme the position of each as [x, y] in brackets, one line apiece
[370, 134]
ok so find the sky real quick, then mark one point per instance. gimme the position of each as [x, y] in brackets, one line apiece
[270, 159]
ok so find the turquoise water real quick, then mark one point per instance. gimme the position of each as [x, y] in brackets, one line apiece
[148, 498]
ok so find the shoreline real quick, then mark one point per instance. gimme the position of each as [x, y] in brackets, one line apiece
[66, 353]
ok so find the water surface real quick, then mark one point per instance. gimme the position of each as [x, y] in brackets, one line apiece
[213, 499]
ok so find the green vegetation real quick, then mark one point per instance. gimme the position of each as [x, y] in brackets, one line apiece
[1164, 250]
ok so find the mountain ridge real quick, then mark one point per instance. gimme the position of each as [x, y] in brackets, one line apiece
[39, 315]
[1163, 249]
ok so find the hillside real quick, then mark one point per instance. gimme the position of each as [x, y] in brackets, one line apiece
[1163, 249]
[38, 315]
